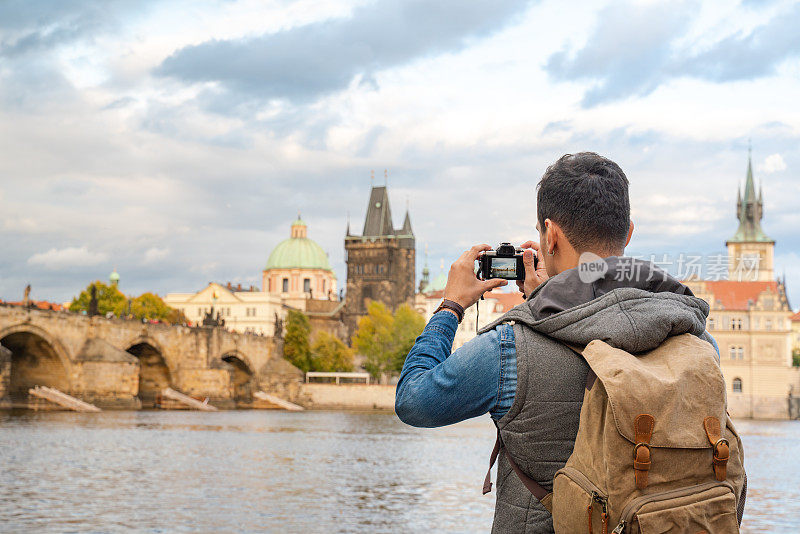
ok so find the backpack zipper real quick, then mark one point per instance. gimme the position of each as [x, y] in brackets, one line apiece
[581, 480]
[635, 504]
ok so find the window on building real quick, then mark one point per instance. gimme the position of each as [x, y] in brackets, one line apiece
[285, 285]
[768, 324]
[737, 385]
[323, 286]
[736, 323]
[269, 285]
[740, 353]
[306, 285]
[253, 314]
[710, 325]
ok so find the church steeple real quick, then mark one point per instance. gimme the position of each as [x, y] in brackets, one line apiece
[749, 210]
[750, 250]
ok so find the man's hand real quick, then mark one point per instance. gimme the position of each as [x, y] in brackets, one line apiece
[463, 286]
[533, 277]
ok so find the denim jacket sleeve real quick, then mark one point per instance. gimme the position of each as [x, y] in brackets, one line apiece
[437, 388]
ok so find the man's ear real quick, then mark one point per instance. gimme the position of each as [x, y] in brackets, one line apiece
[630, 233]
[553, 235]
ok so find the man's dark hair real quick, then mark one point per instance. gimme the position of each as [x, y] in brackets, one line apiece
[587, 196]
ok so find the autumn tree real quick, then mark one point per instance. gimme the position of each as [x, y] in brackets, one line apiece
[408, 325]
[149, 306]
[373, 339]
[385, 339]
[330, 354]
[296, 347]
[109, 299]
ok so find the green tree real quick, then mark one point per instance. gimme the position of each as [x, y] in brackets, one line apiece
[796, 358]
[330, 354]
[109, 299]
[295, 341]
[374, 340]
[408, 324]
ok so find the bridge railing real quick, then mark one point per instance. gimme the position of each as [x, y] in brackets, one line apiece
[337, 378]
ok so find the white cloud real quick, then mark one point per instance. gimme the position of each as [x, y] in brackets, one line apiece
[155, 254]
[773, 163]
[67, 257]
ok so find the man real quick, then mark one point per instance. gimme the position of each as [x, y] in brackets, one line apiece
[519, 369]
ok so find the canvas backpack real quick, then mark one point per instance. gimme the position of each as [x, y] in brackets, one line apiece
[655, 452]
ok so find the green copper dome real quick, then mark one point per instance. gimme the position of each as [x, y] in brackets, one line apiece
[298, 252]
[114, 276]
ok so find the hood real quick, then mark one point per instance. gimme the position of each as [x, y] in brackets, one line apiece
[633, 306]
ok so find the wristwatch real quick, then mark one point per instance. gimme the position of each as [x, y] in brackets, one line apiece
[453, 306]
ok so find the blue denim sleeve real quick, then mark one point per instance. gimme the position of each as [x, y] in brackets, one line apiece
[437, 388]
[713, 342]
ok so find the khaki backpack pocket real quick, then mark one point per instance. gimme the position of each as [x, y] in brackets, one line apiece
[577, 502]
[709, 510]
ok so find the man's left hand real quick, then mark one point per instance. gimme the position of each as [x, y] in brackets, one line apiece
[463, 286]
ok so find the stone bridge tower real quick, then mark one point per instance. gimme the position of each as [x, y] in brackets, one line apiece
[381, 262]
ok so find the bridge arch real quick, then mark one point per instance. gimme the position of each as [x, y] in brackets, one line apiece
[242, 377]
[154, 374]
[37, 359]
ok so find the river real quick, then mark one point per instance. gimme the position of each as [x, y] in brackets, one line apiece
[270, 471]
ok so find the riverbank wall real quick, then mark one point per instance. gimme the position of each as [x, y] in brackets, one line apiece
[348, 396]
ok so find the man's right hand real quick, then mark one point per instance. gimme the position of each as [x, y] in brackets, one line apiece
[463, 286]
[534, 277]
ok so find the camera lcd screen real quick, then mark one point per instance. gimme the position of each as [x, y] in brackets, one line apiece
[503, 268]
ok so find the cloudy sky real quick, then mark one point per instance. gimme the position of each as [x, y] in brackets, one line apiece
[177, 140]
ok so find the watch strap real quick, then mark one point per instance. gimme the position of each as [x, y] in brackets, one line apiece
[453, 306]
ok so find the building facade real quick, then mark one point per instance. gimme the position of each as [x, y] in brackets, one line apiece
[245, 310]
[796, 334]
[381, 262]
[297, 276]
[750, 318]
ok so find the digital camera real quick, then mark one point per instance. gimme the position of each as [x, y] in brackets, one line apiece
[504, 262]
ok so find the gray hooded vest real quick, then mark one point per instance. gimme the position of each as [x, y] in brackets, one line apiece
[539, 430]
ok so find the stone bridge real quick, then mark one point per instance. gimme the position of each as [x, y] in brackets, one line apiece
[118, 363]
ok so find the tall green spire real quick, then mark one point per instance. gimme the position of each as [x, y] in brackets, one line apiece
[749, 210]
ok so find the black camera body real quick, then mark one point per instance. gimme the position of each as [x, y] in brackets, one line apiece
[505, 262]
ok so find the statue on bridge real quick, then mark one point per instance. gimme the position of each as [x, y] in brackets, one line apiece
[93, 302]
[210, 320]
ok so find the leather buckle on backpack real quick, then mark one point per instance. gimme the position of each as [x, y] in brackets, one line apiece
[721, 459]
[636, 448]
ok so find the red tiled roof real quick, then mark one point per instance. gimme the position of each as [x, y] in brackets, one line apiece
[735, 295]
[505, 301]
[796, 317]
[41, 304]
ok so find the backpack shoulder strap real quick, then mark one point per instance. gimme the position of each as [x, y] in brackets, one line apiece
[542, 495]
